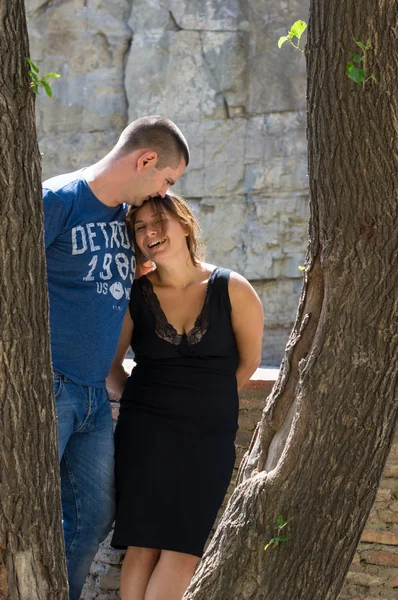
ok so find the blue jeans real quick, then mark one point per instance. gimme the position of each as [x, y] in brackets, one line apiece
[86, 450]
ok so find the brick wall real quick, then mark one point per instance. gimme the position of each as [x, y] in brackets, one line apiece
[374, 572]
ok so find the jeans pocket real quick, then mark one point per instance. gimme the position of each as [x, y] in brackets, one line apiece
[58, 383]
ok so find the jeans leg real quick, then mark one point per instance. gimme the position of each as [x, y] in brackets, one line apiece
[66, 408]
[87, 485]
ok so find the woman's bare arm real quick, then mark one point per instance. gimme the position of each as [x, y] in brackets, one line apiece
[116, 379]
[247, 323]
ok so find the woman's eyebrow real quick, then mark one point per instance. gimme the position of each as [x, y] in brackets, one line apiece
[154, 216]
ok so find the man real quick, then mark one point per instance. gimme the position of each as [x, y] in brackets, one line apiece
[90, 269]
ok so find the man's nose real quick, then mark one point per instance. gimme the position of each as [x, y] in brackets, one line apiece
[163, 191]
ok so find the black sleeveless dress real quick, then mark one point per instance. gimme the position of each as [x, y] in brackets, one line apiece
[178, 418]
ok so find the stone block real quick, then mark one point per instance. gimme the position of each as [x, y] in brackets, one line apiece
[261, 157]
[363, 579]
[249, 236]
[60, 154]
[276, 77]
[383, 495]
[391, 471]
[88, 594]
[357, 559]
[226, 56]
[90, 95]
[254, 399]
[247, 422]
[393, 456]
[3, 582]
[222, 223]
[110, 582]
[388, 516]
[207, 15]
[109, 556]
[384, 559]
[390, 483]
[166, 74]
[276, 154]
[274, 343]
[280, 300]
[380, 537]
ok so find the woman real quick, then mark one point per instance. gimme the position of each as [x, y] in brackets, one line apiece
[196, 333]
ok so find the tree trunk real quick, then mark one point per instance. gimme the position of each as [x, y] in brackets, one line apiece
[319, 452]
[32, 564]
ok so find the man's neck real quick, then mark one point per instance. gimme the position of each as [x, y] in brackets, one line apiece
[101, 180]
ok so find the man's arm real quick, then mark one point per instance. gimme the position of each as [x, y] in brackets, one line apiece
[54, 216]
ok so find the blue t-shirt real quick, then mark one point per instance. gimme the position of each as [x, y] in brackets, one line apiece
[90, 269]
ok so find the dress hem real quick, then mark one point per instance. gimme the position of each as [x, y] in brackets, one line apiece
[157, 546]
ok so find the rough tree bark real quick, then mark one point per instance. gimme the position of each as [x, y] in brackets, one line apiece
[32, 564]
[318, 454]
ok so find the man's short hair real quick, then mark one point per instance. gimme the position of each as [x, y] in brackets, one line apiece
[156, 133]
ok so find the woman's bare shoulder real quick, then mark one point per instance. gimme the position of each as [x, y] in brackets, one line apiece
[206, 269]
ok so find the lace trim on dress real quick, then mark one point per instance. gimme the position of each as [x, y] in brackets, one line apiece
[164, 329]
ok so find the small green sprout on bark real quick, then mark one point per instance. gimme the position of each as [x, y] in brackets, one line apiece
[356, 67]
[42, 81]
[275, 541]
[296, 31]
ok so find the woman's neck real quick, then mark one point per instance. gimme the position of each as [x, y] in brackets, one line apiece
[177, 274]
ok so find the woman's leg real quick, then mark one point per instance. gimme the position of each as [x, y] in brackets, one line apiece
[138, 565]
[171, 576]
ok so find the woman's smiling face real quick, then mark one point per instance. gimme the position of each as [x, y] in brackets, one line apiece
[157, 234]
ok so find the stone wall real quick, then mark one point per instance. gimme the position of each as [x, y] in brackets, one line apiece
[374, 572]
[214, 67]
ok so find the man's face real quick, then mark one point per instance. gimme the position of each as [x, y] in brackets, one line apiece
[150, 182]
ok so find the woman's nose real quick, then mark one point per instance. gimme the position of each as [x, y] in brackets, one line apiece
[152, 230]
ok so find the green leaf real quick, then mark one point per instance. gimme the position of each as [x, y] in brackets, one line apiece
[35, 89]
[298, 29]
[282, 40]
[280, 520]
[52, 75]
[47, 88]
[357, 58]
[361, 46]
[33, 76]
[301, 268]
[270, 543]
[281, 538]
[357, 75]
[32, 65]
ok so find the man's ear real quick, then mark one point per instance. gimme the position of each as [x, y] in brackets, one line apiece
[147, 158]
